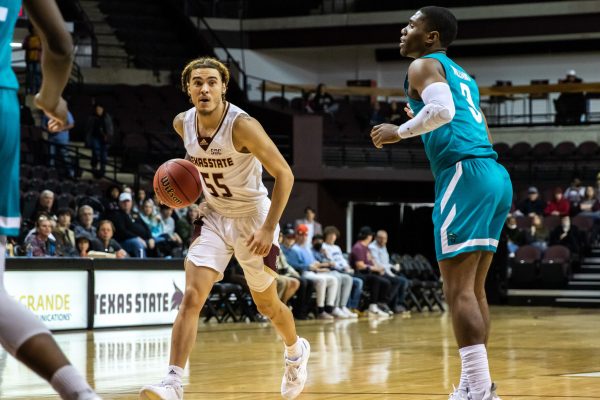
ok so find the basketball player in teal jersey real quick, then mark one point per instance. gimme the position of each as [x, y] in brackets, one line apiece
[473, 192]
[21, 333]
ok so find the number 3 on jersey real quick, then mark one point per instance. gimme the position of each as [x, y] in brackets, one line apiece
[474, 111]
[215, 182]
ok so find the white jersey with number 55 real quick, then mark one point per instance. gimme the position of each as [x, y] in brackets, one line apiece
[231, 181]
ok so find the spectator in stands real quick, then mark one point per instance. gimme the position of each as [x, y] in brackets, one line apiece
[99, 132]
[65, 236]
[362, 262]
[83, 245]
[299, 257]
[305, 287]
[532, 205]
[341, 309]
[574, 194]
[590, 206]
[381, 257]
[169, 241]
[396, 116]
[185, 226]
[85, 222]
[558, 205]
[32, 44]
[41, 244]
[334, 252]
[59, 155]
[314, 227]
[516, 237]
[45, 205]
[565, 234]
[570, 106]
[151, 218]
[111, 201]
[130, 231]
[377, 116]
[140, 197]
[105, 242]
[537, 235]
[321, 102]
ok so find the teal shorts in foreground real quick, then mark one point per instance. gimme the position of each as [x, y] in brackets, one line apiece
[10, 141]
[473, 199]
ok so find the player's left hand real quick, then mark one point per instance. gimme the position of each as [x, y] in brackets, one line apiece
[260, 242]
[384, 134]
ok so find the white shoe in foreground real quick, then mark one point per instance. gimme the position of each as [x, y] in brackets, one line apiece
[162, 391]
[490, 394]
[295, 375]
[459, 395]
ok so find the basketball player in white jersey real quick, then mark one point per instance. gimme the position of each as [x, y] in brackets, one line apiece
[230, 148]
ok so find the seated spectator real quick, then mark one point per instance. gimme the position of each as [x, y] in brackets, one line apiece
[570, 106]
[396, 116]
[130, 231]
[380, 254]
[169, 240]
[372, 275]
[65, 237]
[344, 280]
[305, 288]
[45, 205]
[532, 205]
[341, 265]
[299, 257]
[574, 194]
[537, 235]
[314, 227]
[105, 242]
[140, 197]
[565, 234]
[185, 226]
[590, 206]
[377, 116]
[111, 201]
[85, 222]
[83, 245]
[40, 244]
[151, 218]
[321, 102]
[558, 205]
[515, 235]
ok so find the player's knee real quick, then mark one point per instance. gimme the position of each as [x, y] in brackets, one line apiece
[193, 300]
[294, 284]
[269, 308]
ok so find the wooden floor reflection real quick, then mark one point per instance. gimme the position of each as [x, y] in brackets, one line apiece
[532, 351]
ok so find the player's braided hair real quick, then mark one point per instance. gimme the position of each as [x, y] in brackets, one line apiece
[203, 62]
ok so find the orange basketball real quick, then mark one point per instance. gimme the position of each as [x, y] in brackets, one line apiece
[177, 183]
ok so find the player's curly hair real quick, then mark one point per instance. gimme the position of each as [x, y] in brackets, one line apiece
[203, 62]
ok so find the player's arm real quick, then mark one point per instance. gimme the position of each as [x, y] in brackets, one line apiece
[426, 77]
[56, 60]
[249, 135]
[487, 128]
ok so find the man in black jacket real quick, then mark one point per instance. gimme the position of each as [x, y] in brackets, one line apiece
[131, 232]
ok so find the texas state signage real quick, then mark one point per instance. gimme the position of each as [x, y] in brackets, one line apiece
[129, 298]
[58, 298]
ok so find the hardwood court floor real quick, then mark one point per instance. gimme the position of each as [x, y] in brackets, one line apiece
[532, 351]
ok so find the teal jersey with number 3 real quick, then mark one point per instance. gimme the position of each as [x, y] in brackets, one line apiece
[465, 136]
[9, 11]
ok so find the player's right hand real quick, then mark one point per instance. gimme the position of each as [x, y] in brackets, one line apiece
[56, 112]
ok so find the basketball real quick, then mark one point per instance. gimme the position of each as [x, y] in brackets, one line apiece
[177, 183]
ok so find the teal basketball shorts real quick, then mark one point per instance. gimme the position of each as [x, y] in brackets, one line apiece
[9, 154]
[473, 199]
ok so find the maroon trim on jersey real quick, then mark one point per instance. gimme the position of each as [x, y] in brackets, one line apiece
[271, 259]
[197, 229]
[205, 141]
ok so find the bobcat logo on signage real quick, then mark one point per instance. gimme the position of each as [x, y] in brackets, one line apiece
[177, 298]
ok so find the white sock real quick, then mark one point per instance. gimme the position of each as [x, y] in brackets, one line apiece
[464, 379]
[70, 385]
[294, 351]
[475, 364]
[174, 375]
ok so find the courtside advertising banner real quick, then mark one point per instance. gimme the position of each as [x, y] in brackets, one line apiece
[130, 298]
[58, 298]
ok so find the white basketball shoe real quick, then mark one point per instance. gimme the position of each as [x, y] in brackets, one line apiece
[490, 394]
[458, 394]
[162, 391]
[295, 375]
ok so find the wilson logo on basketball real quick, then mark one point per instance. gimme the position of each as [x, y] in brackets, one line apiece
[169, 189]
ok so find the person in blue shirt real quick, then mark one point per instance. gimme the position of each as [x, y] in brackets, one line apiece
[22, 334]
[58, 142]
[473, 192]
